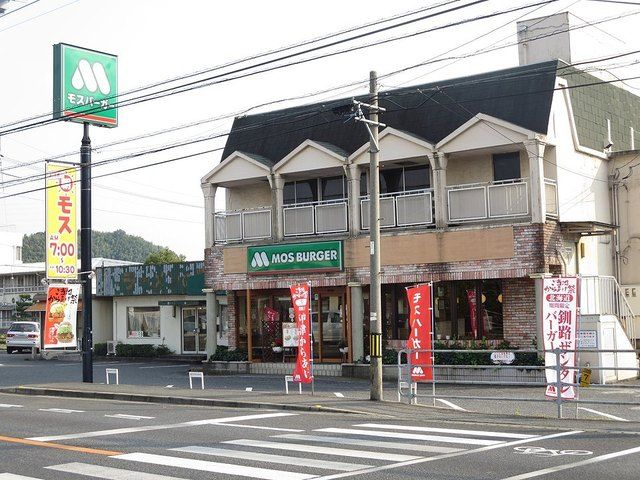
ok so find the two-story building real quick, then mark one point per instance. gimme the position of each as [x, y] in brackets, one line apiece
[487, 182]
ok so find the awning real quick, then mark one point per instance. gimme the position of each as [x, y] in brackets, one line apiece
[41, 306]
[588, 228]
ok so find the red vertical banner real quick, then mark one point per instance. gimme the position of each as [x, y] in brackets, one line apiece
[471, 298]
[300, 300]
[420, 321]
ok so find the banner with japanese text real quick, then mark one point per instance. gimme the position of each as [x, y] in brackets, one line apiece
[300, 299]
[60, 319]
[559, 327]
[420, 322]
[61, 233]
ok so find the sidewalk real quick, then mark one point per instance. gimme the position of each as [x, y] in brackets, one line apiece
[357, 403]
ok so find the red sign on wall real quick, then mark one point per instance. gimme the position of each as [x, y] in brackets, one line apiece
[300, 301]
[420, 321]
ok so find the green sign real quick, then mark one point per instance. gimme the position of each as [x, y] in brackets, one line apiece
[85, 85]
[323, 256]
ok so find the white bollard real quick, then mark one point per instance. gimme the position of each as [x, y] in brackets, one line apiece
[193, 375]
[287, 379]
[112, 371]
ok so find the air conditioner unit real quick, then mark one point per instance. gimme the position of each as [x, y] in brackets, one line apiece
[111, 348]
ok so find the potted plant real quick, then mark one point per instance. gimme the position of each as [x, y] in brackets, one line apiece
[276, 345]
[343, 347]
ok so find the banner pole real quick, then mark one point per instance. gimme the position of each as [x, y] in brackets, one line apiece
[433, 356]
[313, 377]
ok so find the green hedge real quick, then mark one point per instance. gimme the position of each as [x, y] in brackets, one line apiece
[223, 354]
[100, 349]
[3, 339]
[130, 350]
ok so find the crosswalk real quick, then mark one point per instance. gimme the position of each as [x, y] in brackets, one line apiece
[321, 453]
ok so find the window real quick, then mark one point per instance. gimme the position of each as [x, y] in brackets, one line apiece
[506, 166]
[398, 179]
[143, 322]
[334, 188]
[302, 191]
[18, 254]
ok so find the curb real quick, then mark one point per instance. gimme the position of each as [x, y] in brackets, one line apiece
[200, 402]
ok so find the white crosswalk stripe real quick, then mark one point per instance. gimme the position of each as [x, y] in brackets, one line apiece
[411, 436]
[108, 473]
[476, 433]
[11, 476]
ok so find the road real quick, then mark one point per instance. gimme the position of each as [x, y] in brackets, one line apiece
[59, 438]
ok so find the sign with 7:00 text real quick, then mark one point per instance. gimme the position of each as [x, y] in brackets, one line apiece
[85, 85]
[323, 256]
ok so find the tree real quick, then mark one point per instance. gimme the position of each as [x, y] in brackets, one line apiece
[164, 255]
[21, 307]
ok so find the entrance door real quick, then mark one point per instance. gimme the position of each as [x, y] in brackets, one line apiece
[333, 329]
[194, 330]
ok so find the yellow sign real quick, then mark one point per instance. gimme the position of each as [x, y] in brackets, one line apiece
[585, 377]
[61, 233]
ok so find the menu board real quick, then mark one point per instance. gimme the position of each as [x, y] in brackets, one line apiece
[289, 335]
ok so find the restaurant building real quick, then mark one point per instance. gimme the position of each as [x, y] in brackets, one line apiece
[487, 182]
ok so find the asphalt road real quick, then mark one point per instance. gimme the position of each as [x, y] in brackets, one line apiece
[622, 401]
[60, 438]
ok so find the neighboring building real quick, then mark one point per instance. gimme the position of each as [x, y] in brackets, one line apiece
[157, 304]
[487, 182]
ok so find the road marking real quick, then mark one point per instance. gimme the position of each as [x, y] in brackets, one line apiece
[107, 473]
[215, 467]
[268, 458]
[338, 394]
[119, 431]
[248, 389]
[477, 433]
[607, 415]
[559, 468]
[259, 427]
[11, 476]
[169, 386]
[60, 410]
[410, 436]
[165, 366]
[371, 443]
[296, 447]
[35, 443]
[447, 456]
[451, 404]
[8, 405]
[129, 417]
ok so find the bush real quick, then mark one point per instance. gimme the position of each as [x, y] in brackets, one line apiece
[3, 339]
[223, 354]
[100, 349]
[134, 350]
[162, 350]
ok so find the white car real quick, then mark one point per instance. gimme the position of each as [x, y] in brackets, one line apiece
[23, 336]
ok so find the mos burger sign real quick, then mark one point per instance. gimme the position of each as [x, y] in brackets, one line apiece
[314, 256]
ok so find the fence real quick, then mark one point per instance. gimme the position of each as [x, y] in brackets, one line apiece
[400, 209]
[548, 377]
[235, 226]
[482, 201]
[313, 218]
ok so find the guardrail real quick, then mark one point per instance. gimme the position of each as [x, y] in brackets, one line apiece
[315, 218]
[580, 378]
[400, 209]
[488, 200]
[235, 226]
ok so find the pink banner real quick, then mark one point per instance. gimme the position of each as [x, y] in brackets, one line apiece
[300, 301]
[471, 298]
[420, 316]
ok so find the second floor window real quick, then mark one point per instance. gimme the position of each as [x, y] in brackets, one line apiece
[304, 191]
[402, 179]
[506, 166]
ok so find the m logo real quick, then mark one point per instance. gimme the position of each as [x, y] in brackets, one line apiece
[417, 371]
[259, 259]
[91, 77]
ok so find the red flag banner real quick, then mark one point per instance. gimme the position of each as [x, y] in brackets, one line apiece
[420, 315]
[559, 327]
[300, 301]
[471, 298]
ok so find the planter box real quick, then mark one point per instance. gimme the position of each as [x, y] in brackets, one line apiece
[226, 368]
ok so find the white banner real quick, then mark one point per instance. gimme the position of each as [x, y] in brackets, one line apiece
[559, 327]
[289, 335]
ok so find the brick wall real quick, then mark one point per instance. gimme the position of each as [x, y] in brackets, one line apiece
[519, 311]
[233, 320]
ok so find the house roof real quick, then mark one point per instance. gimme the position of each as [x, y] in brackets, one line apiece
[520, 95]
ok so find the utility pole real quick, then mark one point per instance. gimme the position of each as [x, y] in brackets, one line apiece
[85, 255]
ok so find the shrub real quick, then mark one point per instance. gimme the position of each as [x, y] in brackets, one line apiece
[3, 339]
[133, 350]
[100, 349]
[223, 354]
[162, 350]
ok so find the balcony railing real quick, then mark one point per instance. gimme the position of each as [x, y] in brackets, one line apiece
[315, 218]
[400, 209]
[236, 226]
[484, 201]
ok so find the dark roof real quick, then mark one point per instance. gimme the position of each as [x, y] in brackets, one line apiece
[520, 95]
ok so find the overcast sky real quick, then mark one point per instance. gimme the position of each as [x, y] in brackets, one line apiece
[157, 39]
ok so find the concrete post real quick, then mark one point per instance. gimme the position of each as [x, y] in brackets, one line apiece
[357, 321]
[353, 180]
[209, 192]
[537, 194]
[277, 203]
[439, 166]
[212, 315]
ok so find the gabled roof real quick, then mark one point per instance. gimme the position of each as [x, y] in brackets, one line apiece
[329, 152]
[259, 166]
[421, 146]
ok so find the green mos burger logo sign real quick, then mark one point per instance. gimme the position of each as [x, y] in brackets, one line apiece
[324, 256]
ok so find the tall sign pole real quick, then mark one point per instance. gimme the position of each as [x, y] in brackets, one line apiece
[375, 305]
[85, 255]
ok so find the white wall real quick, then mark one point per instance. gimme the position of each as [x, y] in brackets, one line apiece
[102, 321]
[8, 243]
[629, 206]
[248, 196]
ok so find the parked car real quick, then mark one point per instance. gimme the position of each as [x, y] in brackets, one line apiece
[23, 336]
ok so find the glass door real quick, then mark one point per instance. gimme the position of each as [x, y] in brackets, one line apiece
[201, 344]
[189, 330]
[333, 331]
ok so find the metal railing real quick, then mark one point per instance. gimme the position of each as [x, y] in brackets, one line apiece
[484, 201]
[315, 218]
[555, 385]
[23, 289]
[235, 226]
[602, 295]
[400, 209]
[551, 195]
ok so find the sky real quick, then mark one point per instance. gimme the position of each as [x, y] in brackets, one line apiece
[156, 40]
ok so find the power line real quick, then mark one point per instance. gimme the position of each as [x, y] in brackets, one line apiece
[5, 15]
[38, 16]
